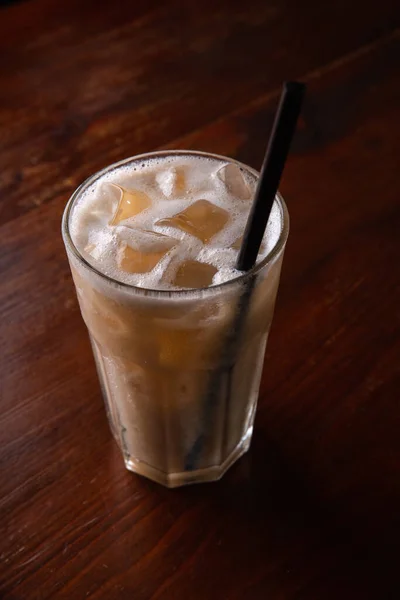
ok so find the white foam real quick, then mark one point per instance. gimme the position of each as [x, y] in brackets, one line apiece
[98, 241]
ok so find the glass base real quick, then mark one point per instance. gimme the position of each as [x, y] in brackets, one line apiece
[172, 480]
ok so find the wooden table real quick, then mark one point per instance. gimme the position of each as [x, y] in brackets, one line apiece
[313, 511]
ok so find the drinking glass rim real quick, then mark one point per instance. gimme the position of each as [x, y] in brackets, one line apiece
[187, 293]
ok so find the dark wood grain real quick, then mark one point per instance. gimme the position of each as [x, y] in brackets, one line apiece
[94, 86]
[313, 511]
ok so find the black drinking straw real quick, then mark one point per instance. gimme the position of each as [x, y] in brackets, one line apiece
[271, 172]
[278, 148]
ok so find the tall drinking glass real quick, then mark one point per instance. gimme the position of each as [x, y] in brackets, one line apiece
[179, 370]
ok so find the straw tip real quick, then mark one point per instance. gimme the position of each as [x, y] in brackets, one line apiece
[295, 87]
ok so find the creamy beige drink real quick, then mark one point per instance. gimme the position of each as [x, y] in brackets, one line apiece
[178, 333]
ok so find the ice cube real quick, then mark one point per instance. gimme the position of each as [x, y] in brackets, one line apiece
[172, 181]
[201, 219]
[144, 251]
[194, 274]
[99, 243]
[131, 203]
[94, 250]
[101, 206]
[233, 179]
